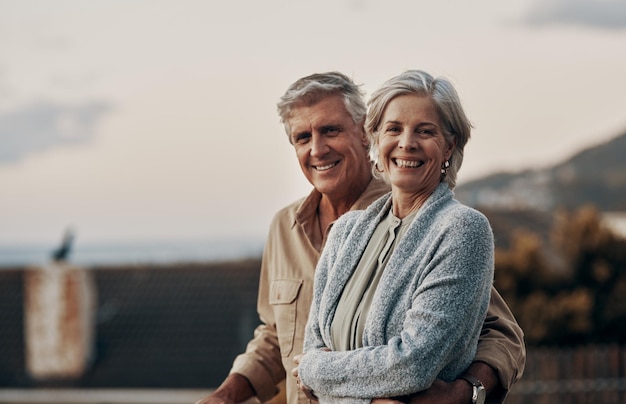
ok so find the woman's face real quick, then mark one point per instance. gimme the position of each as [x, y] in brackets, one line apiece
[411, 144]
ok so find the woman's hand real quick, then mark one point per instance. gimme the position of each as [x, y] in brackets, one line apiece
[306, 390]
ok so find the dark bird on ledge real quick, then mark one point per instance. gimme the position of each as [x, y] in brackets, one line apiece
[63, 251]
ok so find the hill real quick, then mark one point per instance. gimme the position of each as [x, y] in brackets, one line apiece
[596, 176]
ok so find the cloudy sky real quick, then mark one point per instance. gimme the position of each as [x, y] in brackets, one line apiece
[156, 120]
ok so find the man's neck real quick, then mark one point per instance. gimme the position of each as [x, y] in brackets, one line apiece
[332, 207]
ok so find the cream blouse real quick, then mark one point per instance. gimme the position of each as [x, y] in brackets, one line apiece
[354, 304]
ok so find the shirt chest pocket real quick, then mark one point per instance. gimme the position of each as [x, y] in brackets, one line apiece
[284, 299]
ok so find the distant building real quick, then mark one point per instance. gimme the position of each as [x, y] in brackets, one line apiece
[176, 327]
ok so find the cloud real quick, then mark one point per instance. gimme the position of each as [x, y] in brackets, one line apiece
[607, 14]
[42, 126]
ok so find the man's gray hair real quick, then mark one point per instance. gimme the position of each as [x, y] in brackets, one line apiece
[310, 90]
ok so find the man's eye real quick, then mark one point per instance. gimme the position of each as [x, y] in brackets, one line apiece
[331, 131]
[301, 139]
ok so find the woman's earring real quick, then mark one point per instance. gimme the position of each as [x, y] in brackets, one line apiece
[444, 167]
[376, 167]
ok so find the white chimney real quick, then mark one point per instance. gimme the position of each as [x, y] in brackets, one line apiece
[59, 320]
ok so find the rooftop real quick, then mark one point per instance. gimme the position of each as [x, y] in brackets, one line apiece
[163, 327]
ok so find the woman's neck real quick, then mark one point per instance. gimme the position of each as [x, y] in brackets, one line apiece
[405, 203]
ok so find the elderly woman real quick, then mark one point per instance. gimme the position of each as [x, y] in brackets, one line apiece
[402, 288]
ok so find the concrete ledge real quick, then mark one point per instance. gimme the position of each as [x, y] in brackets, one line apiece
[101, 396]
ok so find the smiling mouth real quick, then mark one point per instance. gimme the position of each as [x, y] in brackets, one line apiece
[408, 163]
[325, 167]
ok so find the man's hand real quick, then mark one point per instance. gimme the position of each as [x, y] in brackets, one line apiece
[440, 392]
[215, 398]
[235, 389]
[456, 392]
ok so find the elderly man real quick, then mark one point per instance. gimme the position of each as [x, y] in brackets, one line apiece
[323, 116]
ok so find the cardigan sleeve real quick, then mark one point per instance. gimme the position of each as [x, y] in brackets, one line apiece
[447, 310]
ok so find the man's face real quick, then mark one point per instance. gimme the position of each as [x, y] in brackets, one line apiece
[331, 148]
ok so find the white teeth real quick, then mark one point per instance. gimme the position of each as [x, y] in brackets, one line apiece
[326, 167]
[407, 163]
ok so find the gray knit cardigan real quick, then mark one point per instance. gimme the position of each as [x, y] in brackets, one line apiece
[427, 311]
